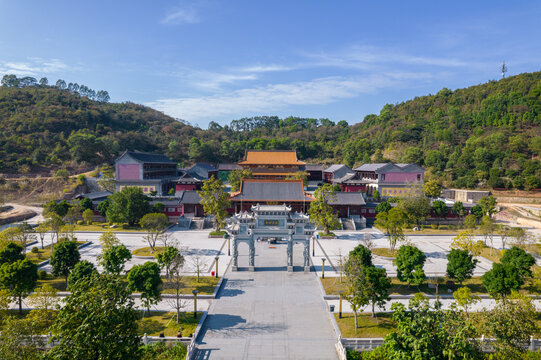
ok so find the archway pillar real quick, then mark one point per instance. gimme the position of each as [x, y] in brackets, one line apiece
[306, 253]
[289, 254]
[235, 265]
[251, 263]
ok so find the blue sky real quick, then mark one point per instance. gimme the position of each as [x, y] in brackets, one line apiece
[205, 61]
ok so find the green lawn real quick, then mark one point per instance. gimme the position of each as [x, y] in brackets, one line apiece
[104, 226]
[206, 285]
[332, 285]
[367, 326]
[161, 321]
[147, 251]
[43, 254]
[385, 252]
[40, 256]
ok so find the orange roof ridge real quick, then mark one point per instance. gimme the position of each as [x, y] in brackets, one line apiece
[271, 180]
[268, 157]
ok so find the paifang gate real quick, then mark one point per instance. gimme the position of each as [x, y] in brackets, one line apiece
[268, 222]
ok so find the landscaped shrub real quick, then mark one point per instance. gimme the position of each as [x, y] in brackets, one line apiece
[80, 222]
[35, 250]
[42, 275]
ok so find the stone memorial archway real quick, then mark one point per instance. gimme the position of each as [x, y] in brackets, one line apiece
[271, 222]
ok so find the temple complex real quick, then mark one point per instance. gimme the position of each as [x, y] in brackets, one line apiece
[275, 164]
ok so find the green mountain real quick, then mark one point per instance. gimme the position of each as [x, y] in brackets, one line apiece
[484, 135]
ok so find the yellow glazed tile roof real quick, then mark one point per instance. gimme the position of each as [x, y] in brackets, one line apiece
[265, 157]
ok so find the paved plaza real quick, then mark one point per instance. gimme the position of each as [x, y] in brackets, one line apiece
[269, 313]
[435, 247]
[193, 244]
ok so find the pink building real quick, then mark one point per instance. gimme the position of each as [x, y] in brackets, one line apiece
[390, 179]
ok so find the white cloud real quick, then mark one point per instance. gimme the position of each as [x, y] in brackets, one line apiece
[32, 67]
[264, 68]
[181, 16]
[278, 96]
[367, 57]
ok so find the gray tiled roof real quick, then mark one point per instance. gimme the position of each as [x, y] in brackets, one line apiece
[348, 198]
[150, 158]
[189, 197]
[200, 171]
[228, 167]
[95, 195]
[312, 167]
[370, 167]
[272, 191]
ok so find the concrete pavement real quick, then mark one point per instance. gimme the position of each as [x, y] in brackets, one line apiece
[269, 313]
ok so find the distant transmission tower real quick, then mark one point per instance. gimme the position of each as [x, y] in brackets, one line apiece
[504, 70]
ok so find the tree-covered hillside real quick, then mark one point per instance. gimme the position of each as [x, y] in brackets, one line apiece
[485, 135]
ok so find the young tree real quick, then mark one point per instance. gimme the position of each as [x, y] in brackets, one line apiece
[19, 340]
[383, 206]
[85, 204]
[415, 206]
[107, 180]
[64, 257]
[175, 279]
[165, 259]
[55, 224]
[97, 321]
[519, 237]
[88, 216]
[505, 233]
[392, 222]
[477, 211]
[466, 241]
[440, 209]
[215, 201]
[198, 265]
[409, 265]
[42, 230]
[378, 287]
[146, 279]
[487, 229]
[72, 215]
[501, 280]
[108, 239]
[488, 205]
[44, 302]
[432, 188]
[465, 299]
[154, 224]
[460, 265]
[425, 332]
[114, 259]
[520, 260]
[10, 253]
[83, 270]
[458, 209]
[26, 234]
[376, 195]
[470, 222]
[128, 206]
[321, 212]
[19, 278]
[363, 254]
[103, 207]
[512, 323]
[235, 176]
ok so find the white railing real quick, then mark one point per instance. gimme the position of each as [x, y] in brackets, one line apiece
[368, 344]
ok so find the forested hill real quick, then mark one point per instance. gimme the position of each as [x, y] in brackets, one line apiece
[485, 135]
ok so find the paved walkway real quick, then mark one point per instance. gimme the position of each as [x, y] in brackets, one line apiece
[269, 313]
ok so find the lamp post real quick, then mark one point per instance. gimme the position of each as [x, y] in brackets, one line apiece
[340, 304]
[313, 246]
[194, 292]
[217, 258]
[323, 268]
[226, 236]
